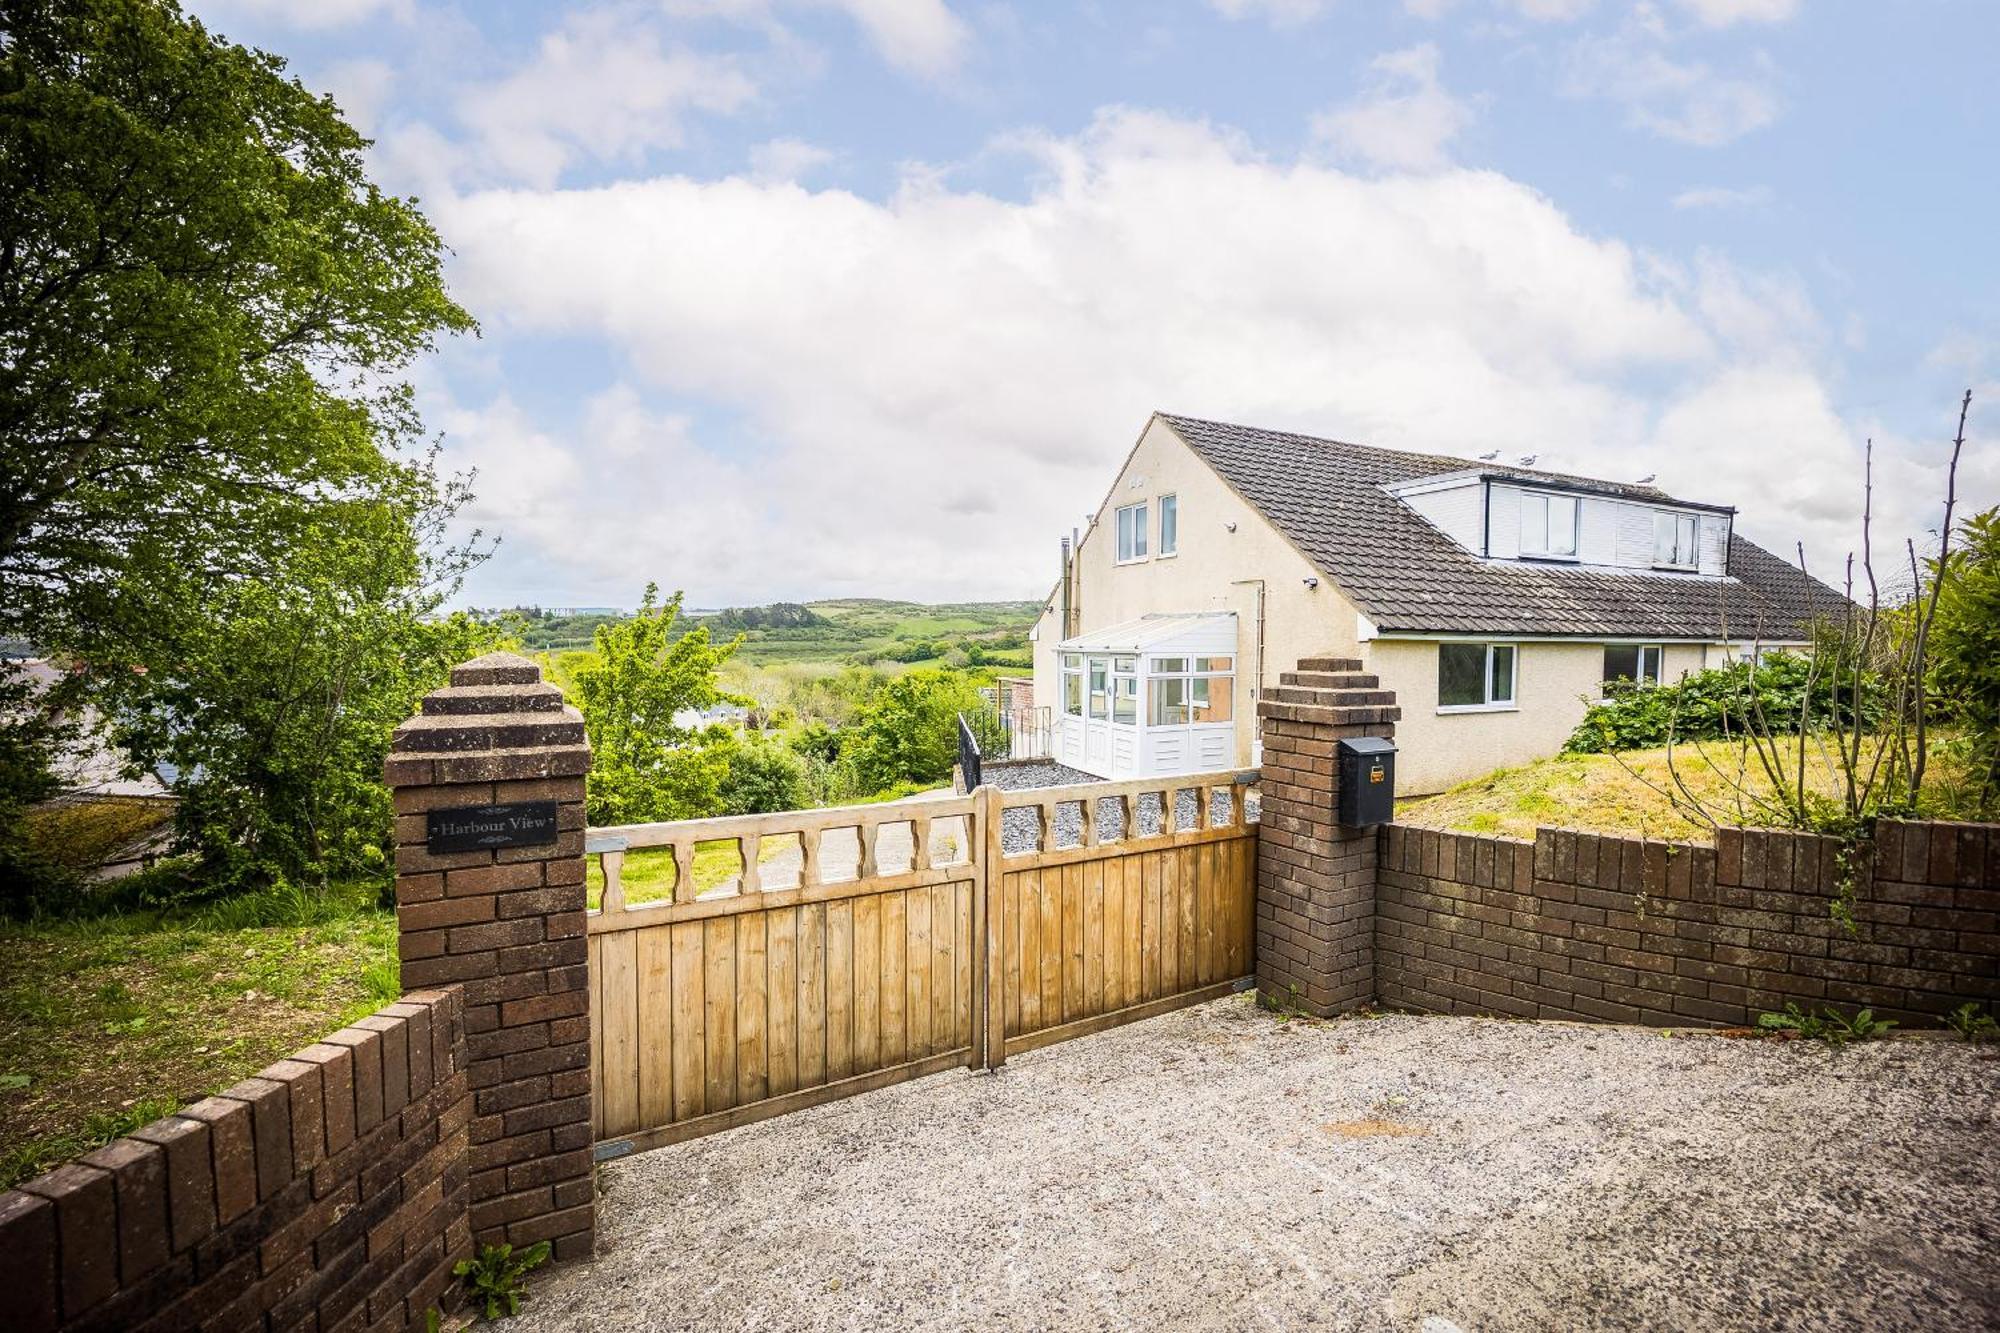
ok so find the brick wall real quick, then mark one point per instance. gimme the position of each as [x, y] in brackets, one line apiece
[1315, 880]
[1575, 925]
[330, 1192]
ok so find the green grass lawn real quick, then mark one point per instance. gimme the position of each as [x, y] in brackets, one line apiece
[108, 1023]
[1597, 793]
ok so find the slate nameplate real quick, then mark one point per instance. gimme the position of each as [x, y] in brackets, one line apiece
[478, 828]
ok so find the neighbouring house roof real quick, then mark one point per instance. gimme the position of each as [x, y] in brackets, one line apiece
[1328, 498]
[1148, 631]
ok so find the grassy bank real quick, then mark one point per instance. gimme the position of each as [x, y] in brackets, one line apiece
[1625, 794]
[110, 1022]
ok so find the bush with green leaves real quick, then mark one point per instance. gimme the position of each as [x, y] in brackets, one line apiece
[1965, 656]
[644, 765]
[1827, 1025]
[764, 776]
[908, 730]
[1724, 701]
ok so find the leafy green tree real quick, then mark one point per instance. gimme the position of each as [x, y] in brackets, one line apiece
[644, 764]
[908, 731]
[1965, 653]
[764, 776]
[204, 304]
[276, 713]
[210, 494]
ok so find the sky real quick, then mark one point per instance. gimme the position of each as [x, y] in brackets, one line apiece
[786, 299]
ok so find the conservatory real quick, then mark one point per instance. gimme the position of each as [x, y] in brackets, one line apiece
[1149, 697]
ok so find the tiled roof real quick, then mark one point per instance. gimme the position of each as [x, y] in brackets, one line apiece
[1407, 576]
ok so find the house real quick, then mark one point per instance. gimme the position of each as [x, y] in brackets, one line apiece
[1494, 600]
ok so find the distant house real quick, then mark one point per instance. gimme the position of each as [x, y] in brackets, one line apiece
[1495, 600]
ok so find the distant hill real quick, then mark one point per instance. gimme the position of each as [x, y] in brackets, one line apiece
[837, 630]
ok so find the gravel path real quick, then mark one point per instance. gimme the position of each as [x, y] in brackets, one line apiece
[1221, 1169]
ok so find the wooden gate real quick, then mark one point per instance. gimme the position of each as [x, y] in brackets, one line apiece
[745, 967]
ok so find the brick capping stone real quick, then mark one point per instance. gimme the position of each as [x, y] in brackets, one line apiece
[508, 926]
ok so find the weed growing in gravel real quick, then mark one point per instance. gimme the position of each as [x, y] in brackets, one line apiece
[496, 1281]
[1827, 1025]
[1973, 1023]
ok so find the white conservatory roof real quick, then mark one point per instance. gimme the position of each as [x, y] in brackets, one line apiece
[1212, 630]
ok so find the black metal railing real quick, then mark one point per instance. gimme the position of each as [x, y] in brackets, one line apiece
[1010, 733]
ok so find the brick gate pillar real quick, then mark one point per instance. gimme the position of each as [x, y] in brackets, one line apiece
[1315, 880]
[497, 757]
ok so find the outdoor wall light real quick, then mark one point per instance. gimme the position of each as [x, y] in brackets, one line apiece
[1312, 581]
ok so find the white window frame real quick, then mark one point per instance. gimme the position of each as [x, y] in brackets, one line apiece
[1170, 527]
[1133, 552]
[1545, 502]
[1659, 650]
[1667, 521]
[1511, 704]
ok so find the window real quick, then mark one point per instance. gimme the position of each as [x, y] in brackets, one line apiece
[1100, 696]
[1170, 524]
[1636, 662]
[1125, 691]
[1675, 540]
[1183, 691]
[1548, 525]
[1132, 532]
[1072, 691]
[1475, 675]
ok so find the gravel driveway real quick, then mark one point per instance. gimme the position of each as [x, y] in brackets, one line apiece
[1220, 1169]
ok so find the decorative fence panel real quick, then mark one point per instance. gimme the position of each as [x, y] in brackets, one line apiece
[1105, 932]
[852, 948]
[718, 1008]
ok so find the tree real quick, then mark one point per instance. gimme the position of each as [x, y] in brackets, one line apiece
[203, 305]
[908, 731]
[644, 764]
[1965, 648]
[212, 508]
[276, 715]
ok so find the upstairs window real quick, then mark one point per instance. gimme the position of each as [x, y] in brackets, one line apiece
[1475, 675]
[1674, 541]
[1170, 524]
[1132, 532]
[1636, 662]
[1548, 526]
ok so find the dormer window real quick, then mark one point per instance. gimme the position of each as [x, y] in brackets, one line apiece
[1548, 526]
[1675, 541]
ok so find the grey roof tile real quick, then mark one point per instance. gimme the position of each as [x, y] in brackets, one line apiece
[1407, 576]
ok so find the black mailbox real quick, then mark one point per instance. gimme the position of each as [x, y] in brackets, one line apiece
[1367, 781]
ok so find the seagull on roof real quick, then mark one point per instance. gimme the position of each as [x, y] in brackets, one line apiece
[1489, 457]
[1528, 460]
[1649, 479]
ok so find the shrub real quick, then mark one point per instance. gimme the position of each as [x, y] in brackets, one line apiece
[908, 732]
[1713, 704]
[763, 777]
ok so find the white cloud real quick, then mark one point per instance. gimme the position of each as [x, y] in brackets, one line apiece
[921, 36]
[1284, 13]
[915, 395]
[924, 37]
[1404, 119]
[360, 88]
[1680, 99]
[1724, 13]
[1541, 11]
[309, 14]
[1724, 197]
[787, 160]
[603, 86]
